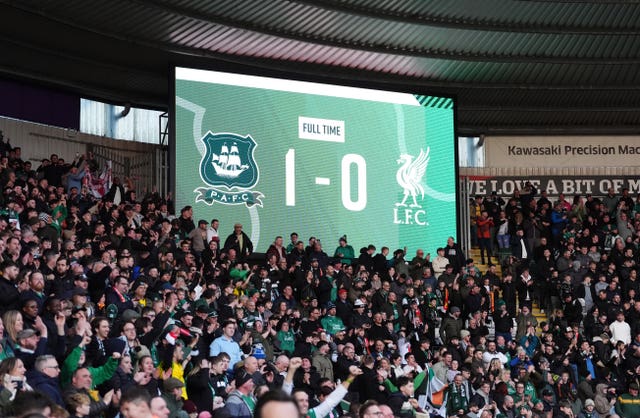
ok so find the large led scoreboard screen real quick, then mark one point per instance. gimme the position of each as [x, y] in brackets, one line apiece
[322, 160]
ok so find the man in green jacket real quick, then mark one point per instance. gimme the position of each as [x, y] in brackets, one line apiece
[451, 325]
[628, 405]
[99, 375]
[321, 360]
[331, 323]
[344, 252]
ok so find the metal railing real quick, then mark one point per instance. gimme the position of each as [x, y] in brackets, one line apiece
[147, 170]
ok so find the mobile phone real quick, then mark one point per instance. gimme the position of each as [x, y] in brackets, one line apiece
[19, 383]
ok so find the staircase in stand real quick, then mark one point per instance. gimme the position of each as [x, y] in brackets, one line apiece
[474, 253]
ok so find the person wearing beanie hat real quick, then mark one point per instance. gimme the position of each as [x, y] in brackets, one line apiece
[331, 323]
[242, 378]
[588, 409]
[344, 252]
[241, 402]
[321, 360]
[628, 404]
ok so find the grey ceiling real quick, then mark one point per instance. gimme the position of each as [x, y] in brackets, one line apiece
[514, 66]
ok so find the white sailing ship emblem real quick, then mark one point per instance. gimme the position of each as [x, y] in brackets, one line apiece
[228, 164]
[232, 173]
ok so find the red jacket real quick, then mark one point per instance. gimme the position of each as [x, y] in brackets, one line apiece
[483, 227]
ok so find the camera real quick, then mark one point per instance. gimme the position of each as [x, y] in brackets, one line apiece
[266, 285]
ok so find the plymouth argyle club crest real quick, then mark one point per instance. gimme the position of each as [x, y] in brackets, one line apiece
[229, 167]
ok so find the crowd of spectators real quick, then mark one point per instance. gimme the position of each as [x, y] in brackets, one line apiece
[114, 306]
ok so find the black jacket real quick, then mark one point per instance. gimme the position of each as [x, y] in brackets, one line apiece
[111, 194]
[395, 402]
[504, 323]
[112, 297]
[312, 385]
[455, 256]
[367, 387]
[29, 359]
[47, 385]
[122, 380]
[9, 296]
[199, 389]
[344, 310]
[232, 242]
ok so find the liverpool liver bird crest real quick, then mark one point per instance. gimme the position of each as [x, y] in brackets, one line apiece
[410, 174]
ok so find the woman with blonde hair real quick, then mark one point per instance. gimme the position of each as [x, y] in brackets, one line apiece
[494, 371]
[13, 324]
[6, 351]
[505, 377]
[59, 412]
[495, 364]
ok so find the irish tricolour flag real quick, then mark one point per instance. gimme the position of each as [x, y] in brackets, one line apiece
[431, 393]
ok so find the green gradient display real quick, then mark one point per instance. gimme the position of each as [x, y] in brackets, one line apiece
[280, 156]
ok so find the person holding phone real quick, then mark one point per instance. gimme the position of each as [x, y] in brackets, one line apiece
[13, 380]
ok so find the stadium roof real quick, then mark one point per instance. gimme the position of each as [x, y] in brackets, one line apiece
[514, 66]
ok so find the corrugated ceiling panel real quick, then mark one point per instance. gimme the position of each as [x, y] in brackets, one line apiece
[356, 30]
[308, 22]
[517, 44]
[617, 47]
[506, 15]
